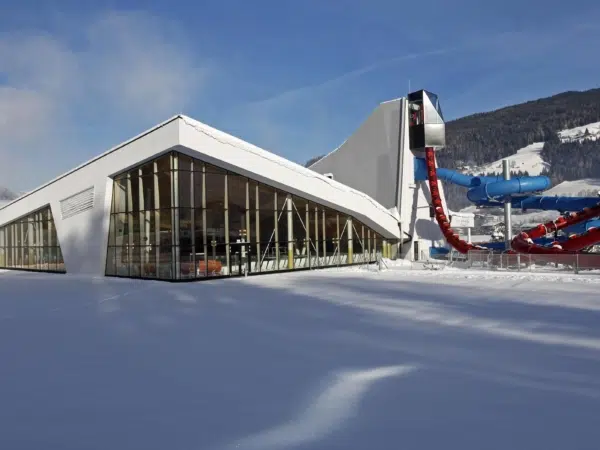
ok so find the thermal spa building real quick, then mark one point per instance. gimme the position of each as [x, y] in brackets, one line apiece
[185, 201]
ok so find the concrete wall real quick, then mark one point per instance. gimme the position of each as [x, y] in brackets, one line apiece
[368, 160]
[377, 160]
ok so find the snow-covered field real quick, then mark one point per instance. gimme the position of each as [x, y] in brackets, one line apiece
[338, 359]
[526, 159]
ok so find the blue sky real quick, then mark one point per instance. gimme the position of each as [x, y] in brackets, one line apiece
[296, 78]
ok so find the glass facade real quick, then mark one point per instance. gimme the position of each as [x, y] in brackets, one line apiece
[178, 218]
[31, 243]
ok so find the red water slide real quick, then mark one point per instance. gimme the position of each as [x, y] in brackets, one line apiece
[440, 215]
[523, 242]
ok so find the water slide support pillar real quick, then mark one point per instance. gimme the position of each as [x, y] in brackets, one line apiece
[507, 208]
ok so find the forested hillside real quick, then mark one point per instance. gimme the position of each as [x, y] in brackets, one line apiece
[487, 137]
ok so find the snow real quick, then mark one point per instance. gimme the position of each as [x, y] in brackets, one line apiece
[333, 359]
[529, 158]
[578, 133]
[526, 159]
[574, 188]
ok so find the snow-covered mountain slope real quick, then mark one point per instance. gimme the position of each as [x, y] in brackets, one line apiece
[589, 132]
[526, 159]
[529, 158]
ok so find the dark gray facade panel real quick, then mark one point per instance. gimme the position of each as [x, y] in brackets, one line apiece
[368, 160]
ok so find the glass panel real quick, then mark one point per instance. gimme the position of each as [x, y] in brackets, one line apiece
[110, 261]
[147, 192]
[26, 243]
[2, 257]
[357, 241]
[136, 262]
[120, 195]
[52, 258]
[199, 255]
[149, 262]
[121, 229]
[299, 228]
[147, 169]
[185, 228]
[237, 208]
[186, 249]
[165, 228]
[133, 194]
[60, 262]
[165, 262]
[331, 230]
[266, 197]
[197, 187]
[342, 257]
[163, 164]
[184, 162]
[135, 229]
[215, 233]
[267, 251]
[185, 189]
[122, 260]
[164, 190]
[147, 228]
[215, 191]
[214, 169]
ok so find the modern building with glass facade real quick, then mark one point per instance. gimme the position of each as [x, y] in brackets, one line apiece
[184, 201]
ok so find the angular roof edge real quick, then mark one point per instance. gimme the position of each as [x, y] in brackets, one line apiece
[361, 124]
[96, 158]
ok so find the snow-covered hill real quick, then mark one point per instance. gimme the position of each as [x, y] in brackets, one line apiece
[589, 132]
[526, 159]
[529, 158]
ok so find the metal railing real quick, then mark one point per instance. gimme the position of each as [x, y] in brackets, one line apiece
[481, 259]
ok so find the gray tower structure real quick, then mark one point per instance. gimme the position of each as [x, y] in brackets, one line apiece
[379, 160]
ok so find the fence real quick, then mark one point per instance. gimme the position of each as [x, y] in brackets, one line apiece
[530, 263]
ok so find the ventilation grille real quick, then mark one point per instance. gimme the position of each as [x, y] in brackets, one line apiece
[78, 203]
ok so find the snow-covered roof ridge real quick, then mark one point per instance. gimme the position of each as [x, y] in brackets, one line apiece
[227, 139]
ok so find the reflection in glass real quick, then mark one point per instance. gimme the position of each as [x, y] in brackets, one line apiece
[206, 231]
[29, 242]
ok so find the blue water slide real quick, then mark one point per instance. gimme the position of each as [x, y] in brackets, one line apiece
[561, 204]
[581, 228]
[495, 190]
[487, 191]
[501, 189]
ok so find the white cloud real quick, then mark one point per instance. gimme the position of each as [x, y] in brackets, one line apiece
[130, 68]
